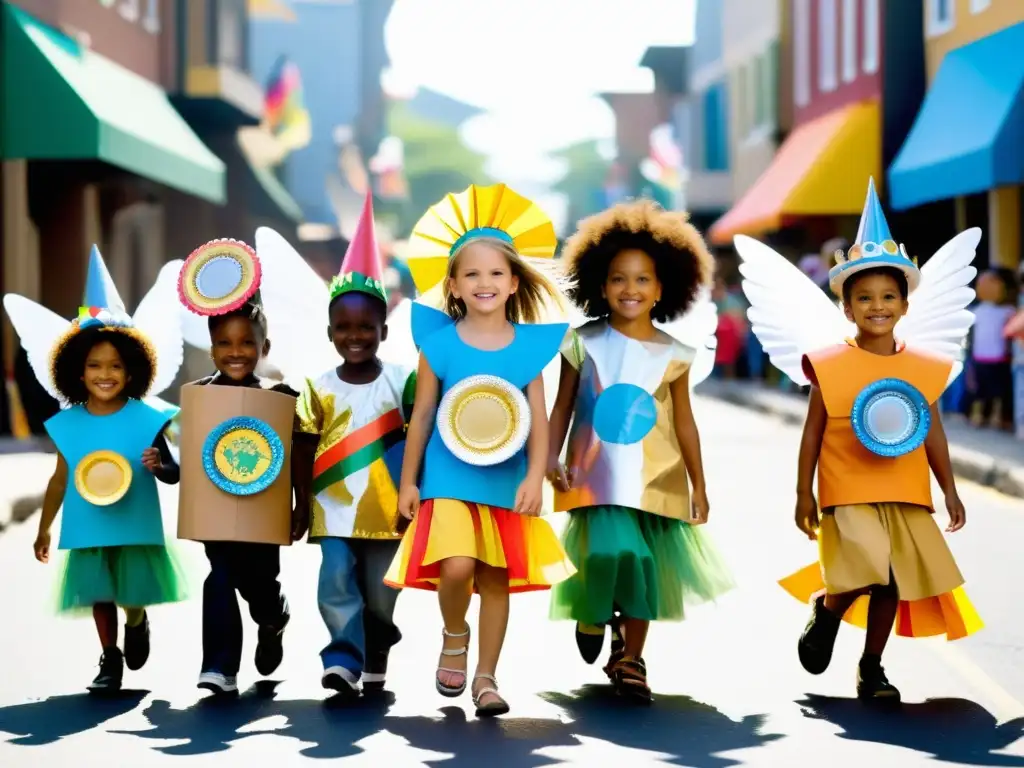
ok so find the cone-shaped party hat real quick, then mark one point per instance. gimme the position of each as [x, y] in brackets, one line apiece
[361, 269]
[100, 290]
[873, 226]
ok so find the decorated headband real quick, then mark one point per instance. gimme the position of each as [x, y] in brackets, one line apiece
[478, 212]
[92, 317]
[219, 277]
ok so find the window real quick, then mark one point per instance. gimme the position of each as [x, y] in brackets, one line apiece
[770, 82]
[716, 140]
[761, 94]
[744, 94]
[940, 17]
[801, 52]
[827, 59]
[977, 6]
[871, 32]
[849, 40]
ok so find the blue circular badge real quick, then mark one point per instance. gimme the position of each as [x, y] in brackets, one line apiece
[891, 417]
[243, 456]
[624, 414]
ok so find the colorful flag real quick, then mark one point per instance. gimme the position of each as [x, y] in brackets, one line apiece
[284, 112]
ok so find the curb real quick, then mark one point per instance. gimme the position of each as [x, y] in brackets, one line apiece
[978, 468]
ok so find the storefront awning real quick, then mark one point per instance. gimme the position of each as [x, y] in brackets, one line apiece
[61, 101]
[267, 196]
[821, 169]
[969, 133]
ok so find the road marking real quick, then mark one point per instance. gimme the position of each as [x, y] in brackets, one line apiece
[1004, 706]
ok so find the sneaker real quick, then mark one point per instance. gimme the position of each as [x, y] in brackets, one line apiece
[341, 680]
[375, 671]
[217, 683]
[818, 639]
[872, 684]
[270, 648]
[111, 671]
[136, 644]
[589, 640]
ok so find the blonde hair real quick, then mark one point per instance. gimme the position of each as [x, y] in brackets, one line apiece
[530, 301]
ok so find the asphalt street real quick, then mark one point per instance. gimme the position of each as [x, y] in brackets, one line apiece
[729, 688]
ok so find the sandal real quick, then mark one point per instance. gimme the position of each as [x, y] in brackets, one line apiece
[618, 647]
[447, 690]
[495, 708]
[629, 676]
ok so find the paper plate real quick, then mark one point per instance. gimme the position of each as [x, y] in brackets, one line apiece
[243, 456]
[891, 417]
[484, 420]
[219, 277]
[103, 477]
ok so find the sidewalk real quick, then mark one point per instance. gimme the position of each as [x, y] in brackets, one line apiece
[23, 478]
[983, 456]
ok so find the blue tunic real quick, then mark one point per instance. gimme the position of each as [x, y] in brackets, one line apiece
[135, 518]
[444, 475]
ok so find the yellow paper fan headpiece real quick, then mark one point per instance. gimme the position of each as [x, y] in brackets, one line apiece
[495, 212]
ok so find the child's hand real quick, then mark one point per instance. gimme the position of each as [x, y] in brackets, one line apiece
[558, 476]
[957, 513]
[528, 497]
[42, 547]
[300, 521]
[807, 515]
[408, 501]
[700, 506]
[151, 460]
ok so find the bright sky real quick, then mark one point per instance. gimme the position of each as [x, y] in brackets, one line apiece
[535, 65]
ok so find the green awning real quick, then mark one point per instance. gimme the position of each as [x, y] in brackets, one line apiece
[63, 102]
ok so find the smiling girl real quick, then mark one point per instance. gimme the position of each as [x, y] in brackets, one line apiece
[633, 528]
[471, 490]
[110, 452]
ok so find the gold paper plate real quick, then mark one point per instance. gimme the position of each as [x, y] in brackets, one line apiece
[484, 420]
[103, 477]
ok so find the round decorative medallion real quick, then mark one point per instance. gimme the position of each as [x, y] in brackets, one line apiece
[219, 277]
[243, 456]
[891, 417]
[103, 477]
[484, 420]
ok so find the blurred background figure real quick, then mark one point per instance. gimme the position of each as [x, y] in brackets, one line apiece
[990, 381]
[732, 328]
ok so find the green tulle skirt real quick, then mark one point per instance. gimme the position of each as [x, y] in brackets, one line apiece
[641, 565]
[131, 577]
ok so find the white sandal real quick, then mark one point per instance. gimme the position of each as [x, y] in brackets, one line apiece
[448, 690]
[499, 707]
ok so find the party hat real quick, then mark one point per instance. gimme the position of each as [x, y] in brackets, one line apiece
[100, 290]
[873, 226]
[361, 270]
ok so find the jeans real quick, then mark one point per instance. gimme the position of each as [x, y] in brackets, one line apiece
[252, 570]
[356, 605]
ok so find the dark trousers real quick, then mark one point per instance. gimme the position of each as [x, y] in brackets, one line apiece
[994, 386]
[252, 570]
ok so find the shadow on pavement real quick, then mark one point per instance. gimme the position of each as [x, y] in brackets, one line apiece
[951, 730]
[43, 722]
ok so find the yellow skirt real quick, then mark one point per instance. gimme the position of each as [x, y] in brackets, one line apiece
[524, 546]
[860, 544]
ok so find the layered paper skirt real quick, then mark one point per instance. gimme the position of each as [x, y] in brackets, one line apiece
[526, 546]
[860, 544]
[642, 565]
[131, 577]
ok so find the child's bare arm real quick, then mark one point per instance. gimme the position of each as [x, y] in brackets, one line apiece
[686, 431]
[421, 422]
[810, 442]
[937, 449]
[52, 500]
[561, 413]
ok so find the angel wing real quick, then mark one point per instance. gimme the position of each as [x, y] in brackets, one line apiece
[789, 314]
[696, 329]
[938, 318]
[398, 347]
[157, 316]
[295, 299]
[38, 328]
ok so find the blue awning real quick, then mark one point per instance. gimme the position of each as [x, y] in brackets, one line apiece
[969, 134]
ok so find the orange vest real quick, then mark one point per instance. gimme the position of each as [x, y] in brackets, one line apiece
[848, 473]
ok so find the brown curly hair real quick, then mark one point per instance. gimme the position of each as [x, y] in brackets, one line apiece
[67, 360]
[682, 261]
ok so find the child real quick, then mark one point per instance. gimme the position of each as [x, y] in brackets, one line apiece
[238, 342]
[626, 484]
[357, 411]
[990, 354]
[872, 431]
[474, 509]
[110, 447]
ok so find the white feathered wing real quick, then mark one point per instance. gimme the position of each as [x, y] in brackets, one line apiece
[696, 329]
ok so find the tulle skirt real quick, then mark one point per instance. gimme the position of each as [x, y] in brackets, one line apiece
[131, 577]
[526, 546]
[644, 566]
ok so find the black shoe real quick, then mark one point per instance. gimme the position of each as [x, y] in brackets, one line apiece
[136, 644]
[819, 639]
[375, 671]
[872, 684]
[270, 647]
[111, 672]
[589, 640]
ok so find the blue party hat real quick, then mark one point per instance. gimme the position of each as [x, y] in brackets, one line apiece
[100, 290]
[873, 226]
